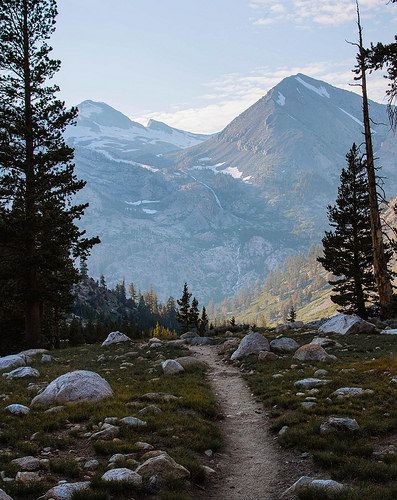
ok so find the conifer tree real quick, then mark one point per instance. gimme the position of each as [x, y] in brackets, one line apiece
[292, 315]
[37, 180]
[183, 313]
[83, 269]
[194, 314]
[348, 247]
[132, 292]
[102, 281]
[203, 323]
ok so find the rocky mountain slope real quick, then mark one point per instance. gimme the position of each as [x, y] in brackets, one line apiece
[225, 211]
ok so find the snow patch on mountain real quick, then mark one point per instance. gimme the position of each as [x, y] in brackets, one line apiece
[322, 91]
[281, 99]
[352, 117]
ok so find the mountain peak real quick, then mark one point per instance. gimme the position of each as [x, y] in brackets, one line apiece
[156, 125]
[103, 114]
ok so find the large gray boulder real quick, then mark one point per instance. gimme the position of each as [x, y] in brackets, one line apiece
[284, 345]
[13, 361]
[346, 324]
[4, 496]
[253, 343]
[115, 338]
[313, 352]
[17, 409]
[72, 387]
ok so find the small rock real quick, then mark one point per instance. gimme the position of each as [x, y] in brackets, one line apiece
[253, 343]
[115, 338]
[150, 410]
[309, 383]
[4, 496]
[313, 352]
[133, 422]
[122, 475]
[109, 432]
[30, 464]
[91, 464]
[284, 345]
[283, 430]
[348, 392]
[164, 466]
[46, 358]
[321, 373]
[18, 409]
[323, 485]
[267, 356]
[339, 424]
[65, 491]
[143, 447]
[28, 477]
[171, 367]
[22, 372]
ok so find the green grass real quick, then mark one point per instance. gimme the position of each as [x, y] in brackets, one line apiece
[348, 457]
[185, 428]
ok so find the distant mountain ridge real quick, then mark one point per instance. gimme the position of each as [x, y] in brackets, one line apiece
[218, 212]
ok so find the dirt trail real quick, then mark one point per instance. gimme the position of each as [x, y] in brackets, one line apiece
[251, 467]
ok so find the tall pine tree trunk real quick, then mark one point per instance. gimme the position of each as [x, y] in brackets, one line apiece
[381, 272]
[32, 304]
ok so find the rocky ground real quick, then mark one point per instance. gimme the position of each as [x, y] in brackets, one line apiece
[302, 411]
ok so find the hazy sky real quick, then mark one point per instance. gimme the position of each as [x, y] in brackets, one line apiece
[196, 64]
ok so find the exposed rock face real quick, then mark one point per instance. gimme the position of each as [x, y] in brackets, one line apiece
[253, 343]
[66, 491]
[72, 387]
[13, 361]
[345, 324]
[313, 352]
[164, 466]
[4, 496]
[339, 424]
[171, 367]
[122, 475]
[22, 372]
[115, 338]
[284, 345]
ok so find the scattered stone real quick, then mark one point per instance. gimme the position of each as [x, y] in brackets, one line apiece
[322, 485]
[309, 383]
[308, 404]
[253, 343]
[346, 324]
[159, 396]
[339, 424]
[348, 392]
[282, 328]
[209, 453]
[188, 335]
[208, 471]
[115, 338]
[321, 373]
[72, 387]
[267, 356]
[91, 464]
[284, 345]
[325, 342]
[143, 447]
[164, 466]
[30, 353]
[18, 409]
[4, 496]
[171, 367]
[12, 361]
[393, 381]
[200, 341]
[46, 358]
[55, 409]
[28, 477]
[191, 362]
[122, 475]
[22, 372]
[108, 432]
[133, 422]
[228, 345]
[150, 410]
[30, 464]
[313, 352]
[389, 331]
[283, 430]
[65, 491]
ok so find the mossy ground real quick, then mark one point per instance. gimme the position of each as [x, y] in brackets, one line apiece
[185, 428]
[348, 458]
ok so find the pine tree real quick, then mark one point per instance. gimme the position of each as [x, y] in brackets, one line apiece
[382, 274]
[292, 315]
[194, 314]
[182, 315]
[102, 281]
[83, 269]
[132, 293]
[37, 180]
[203, 323]
[233, 322]
[348, 247]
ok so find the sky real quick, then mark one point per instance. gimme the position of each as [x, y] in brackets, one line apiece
[197, 64]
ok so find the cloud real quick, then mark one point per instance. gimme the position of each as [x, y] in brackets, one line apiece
[303, 12]
[228, 96]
